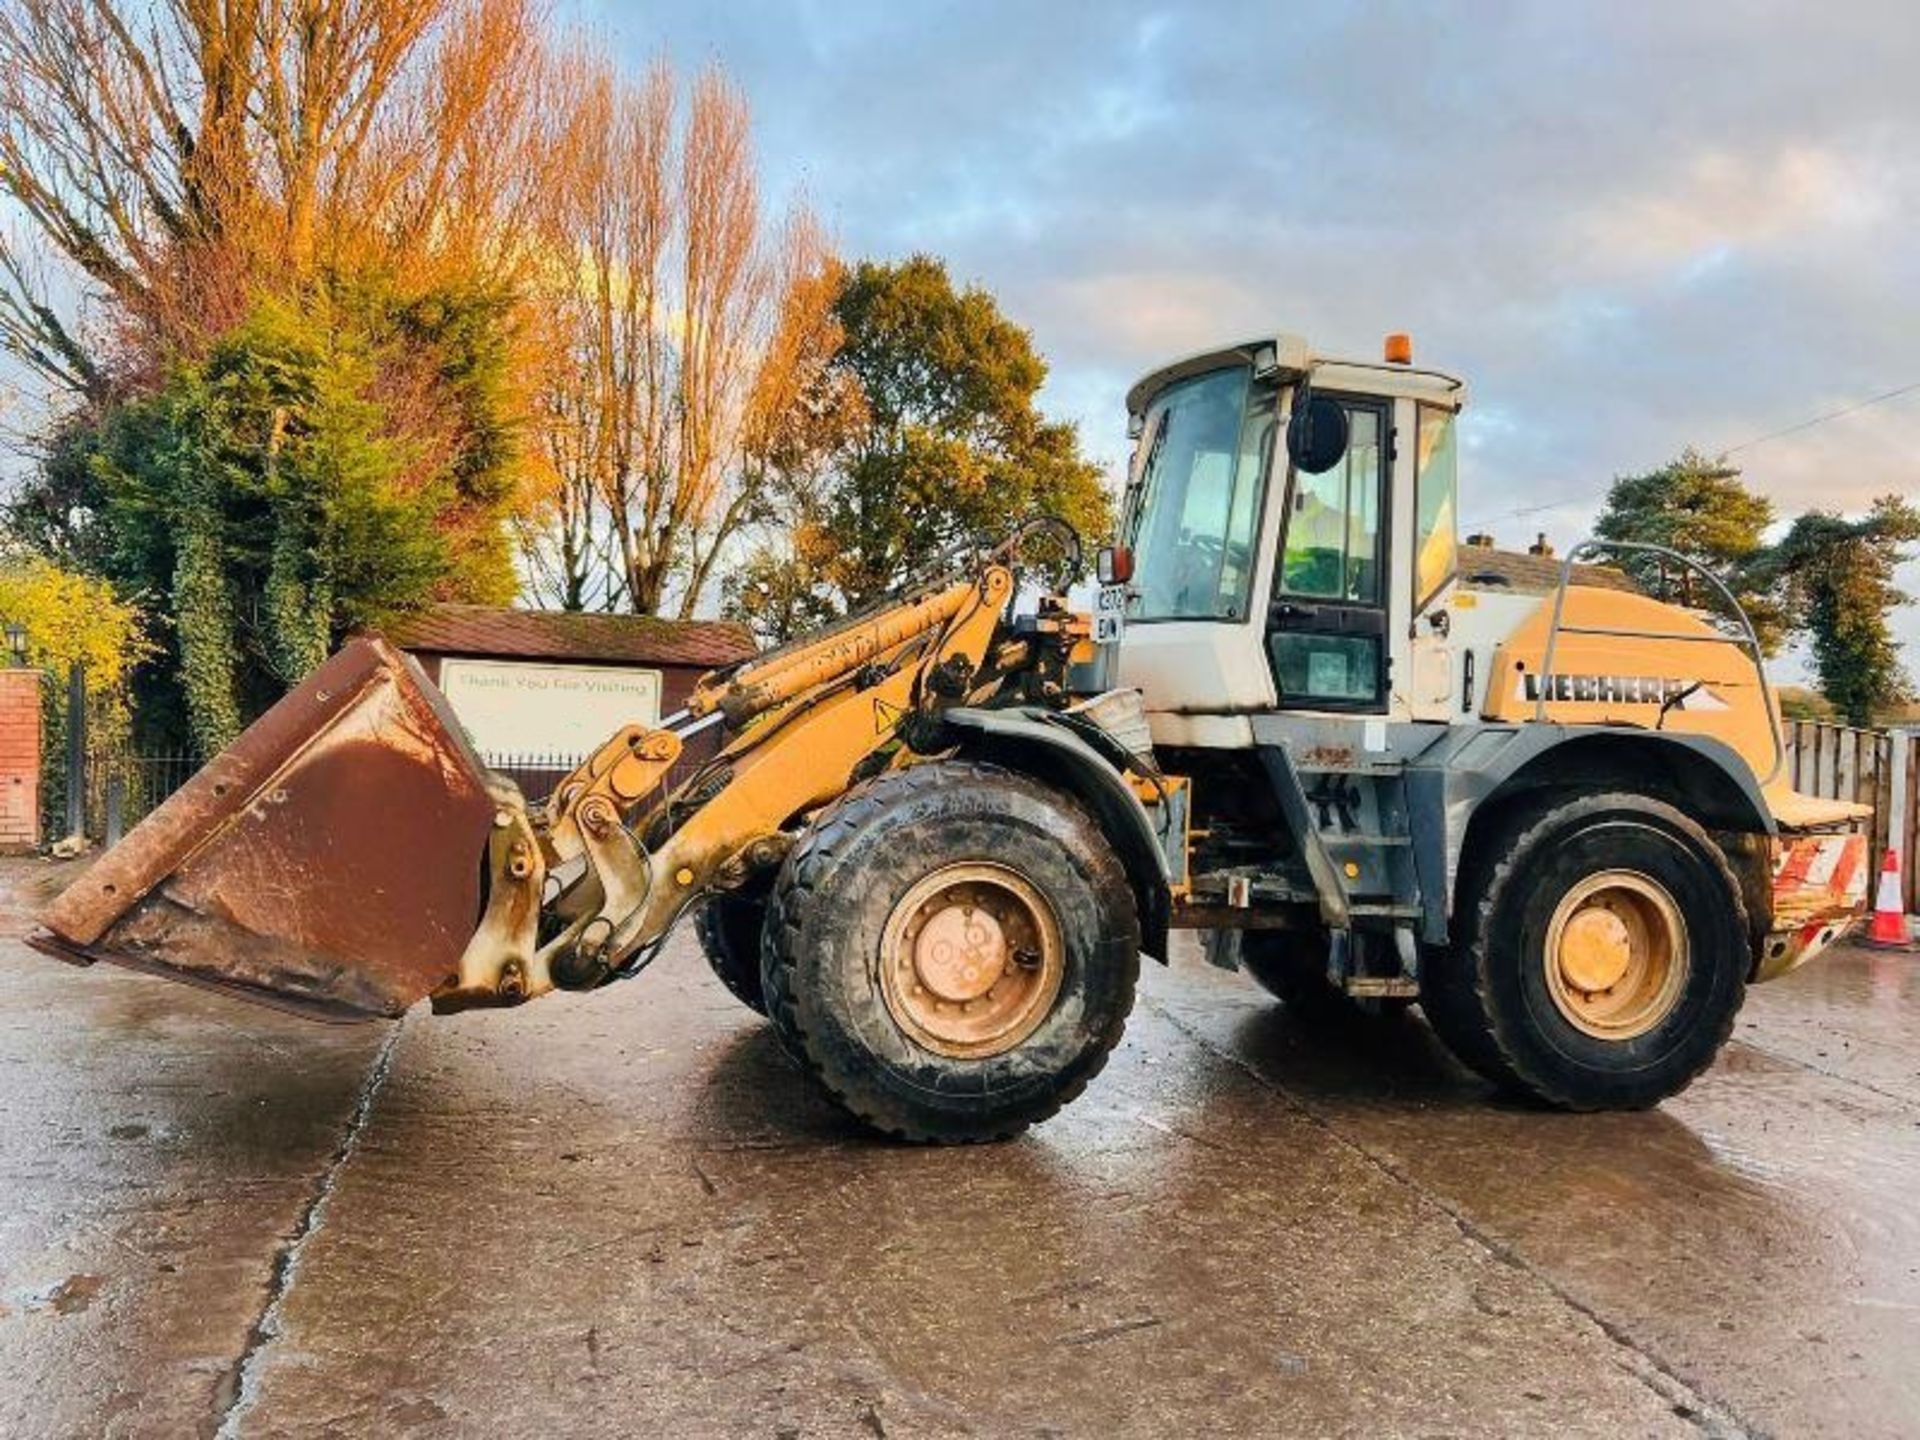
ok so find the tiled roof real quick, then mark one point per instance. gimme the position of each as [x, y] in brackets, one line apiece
[1483, 568]
[570, 635]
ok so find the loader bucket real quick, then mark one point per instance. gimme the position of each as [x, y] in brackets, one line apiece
[328, 861]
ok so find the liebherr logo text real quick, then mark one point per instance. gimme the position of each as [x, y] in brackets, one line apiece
[1609, 689]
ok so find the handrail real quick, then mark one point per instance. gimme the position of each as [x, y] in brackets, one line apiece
[1750, 643]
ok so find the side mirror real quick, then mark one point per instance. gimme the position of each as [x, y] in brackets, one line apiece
[1114, 565]
[1317, 435]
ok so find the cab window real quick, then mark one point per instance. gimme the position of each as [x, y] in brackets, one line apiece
[1198, 497]
[1333, 528]
[1436, 541]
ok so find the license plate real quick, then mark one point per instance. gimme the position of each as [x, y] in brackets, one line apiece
[1109, 614]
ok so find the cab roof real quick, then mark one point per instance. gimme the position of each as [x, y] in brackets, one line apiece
[1291, 355]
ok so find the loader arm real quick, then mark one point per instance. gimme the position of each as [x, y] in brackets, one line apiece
[586, 887]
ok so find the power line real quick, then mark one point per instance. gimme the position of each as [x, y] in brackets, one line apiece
[1823, 419]
[1793, 429]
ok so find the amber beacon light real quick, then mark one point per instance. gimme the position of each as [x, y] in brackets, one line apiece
[1399, 349]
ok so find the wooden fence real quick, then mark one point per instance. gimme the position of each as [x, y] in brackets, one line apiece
[1873, 767]
[1905, 747]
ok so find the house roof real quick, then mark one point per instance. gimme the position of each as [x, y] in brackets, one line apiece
[571, 636]
[1515, 573]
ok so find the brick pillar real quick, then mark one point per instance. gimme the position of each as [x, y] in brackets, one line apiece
[19, 760]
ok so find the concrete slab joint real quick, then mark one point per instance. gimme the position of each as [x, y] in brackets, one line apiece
[240, 1390]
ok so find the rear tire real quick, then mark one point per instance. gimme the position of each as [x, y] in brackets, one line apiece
[729, 929]
[951, 952]
[1601, 959]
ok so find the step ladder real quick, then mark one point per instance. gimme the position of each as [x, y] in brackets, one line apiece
[1352, 823]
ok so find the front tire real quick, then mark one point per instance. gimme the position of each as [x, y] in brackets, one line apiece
[728, 927]
[1602, 957]
[951, 952]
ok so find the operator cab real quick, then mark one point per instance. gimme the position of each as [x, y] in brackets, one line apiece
[1292, 522]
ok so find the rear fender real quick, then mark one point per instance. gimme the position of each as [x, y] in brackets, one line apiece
[1050, 752]
[1497, 767]
[1706, 776]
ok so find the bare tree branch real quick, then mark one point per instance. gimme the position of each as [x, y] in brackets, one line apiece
[694, 333]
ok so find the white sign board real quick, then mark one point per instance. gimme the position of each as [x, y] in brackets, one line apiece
[521, 707]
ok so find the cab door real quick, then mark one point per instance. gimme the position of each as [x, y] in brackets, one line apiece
[1327, 620]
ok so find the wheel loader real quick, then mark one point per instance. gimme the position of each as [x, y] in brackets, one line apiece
[934, 840]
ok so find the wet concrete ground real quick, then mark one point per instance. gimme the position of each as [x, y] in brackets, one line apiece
[623, 1214]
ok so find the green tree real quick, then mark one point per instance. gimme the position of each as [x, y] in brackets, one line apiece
[1699, 506]
[264, 500]
[1838, 576]
[953, 451]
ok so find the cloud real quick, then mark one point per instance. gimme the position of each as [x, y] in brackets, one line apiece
[1633, 227]
[1151, 310]
[1718, 204]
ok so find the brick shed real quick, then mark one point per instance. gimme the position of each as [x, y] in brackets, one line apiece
[538, 689]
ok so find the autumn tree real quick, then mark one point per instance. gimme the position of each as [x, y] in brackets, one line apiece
[1699, 506]
[178, 157]
[1837, 575]
[694, 340]
[271, 269]
[952, 450]
[69, 619]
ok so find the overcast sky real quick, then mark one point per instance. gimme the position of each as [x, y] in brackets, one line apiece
[1631, 226]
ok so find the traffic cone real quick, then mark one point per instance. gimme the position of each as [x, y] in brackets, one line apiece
[1889, 928]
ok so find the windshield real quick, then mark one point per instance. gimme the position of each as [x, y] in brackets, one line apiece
[1197, 498]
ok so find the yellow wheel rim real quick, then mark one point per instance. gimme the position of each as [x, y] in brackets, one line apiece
[971, 960]
[1616, 955]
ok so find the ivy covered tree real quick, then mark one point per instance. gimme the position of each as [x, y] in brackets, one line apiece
[262, 501]
[1837, 575]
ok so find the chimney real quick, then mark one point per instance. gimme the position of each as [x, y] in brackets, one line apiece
[1482, 541]
[1540, 547]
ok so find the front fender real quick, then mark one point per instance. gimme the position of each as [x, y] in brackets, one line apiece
[1036, 744]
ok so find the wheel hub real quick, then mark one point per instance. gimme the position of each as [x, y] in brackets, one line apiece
[961, 951]
[1596, 950]
[971, 960]
[1617, 954]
